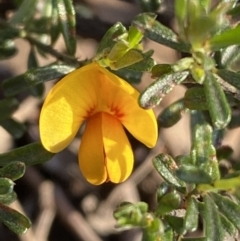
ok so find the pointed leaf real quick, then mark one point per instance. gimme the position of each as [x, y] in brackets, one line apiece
[13, 171]
[8, 198]
[168, 203]
[225, 39]
[30, 154]
[134, 37]
[160, 69]
[171, 114]
[191, 216]
[14, 220]
[195, 99]
[229, 76]
[218, 106]
[157, 32]
[227, 225]
[6, 186]
[13, 86]
[131, 57]
[229, 56]
[193, 174]
[131, 76]
[153, 95]
[166, 166]
[228, 208]
[24, 13]
[7, 49]
[7, 107]
[181, 13]
[108, 40]
[212, 222]
[175, 222]
[13, 127]
[167, 235]
[66, 14]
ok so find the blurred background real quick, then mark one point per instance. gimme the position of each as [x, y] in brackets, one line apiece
[55, 196]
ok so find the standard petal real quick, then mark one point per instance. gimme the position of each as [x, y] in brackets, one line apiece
[67, 105]
[118, 151]
[121, 100]
[91, 152]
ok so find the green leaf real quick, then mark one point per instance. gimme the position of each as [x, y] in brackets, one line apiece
[191, 217]
[228, 56]
[150, 5]
[162, 190]
[229, 76]
[212, 222]
[153, 95]
[228, 208]
[134, 37]
[218, 106]
[13, 86]
[109, 39]
[194, 239]
[118, 50]
[7, 107]
[66, 14]
[7, 49]
[171, 114]
[8, 198]
[143, 65]
[168, 203]
[13, 127]
[167, 235]
[24, 13]
[30, 154]
[157, 32]
[181, 13]
[166, 166]
[195, 99]
[160, 69]
[13, 170]
[54, 28]
[175, 222]
[193, 174]
[227, 225]
[225, 39]
[6, 185]
[131, 76]
[8, 33]
[14, 220]
[131, 57]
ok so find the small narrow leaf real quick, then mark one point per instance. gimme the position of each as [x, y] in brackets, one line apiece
[6, 185]
[181, 14]
[30, 154]
[13, 86]
[212, 222]
[195, 99]
[7, 107]
[14, 220]
[13, 127]
[225, 39]
[7, 49]
[229, 55]
[227, 225]
[160, 69]
[218, 106]
[131, 57]
[66, 14]
[193, 174]
[171, 114]
[166, 166]
[228, 208]
[13, 170]
[153, 95]
[131, 76]
[191, 216]
[109, 39]
[157, 32]
[229, 76]
[175, 222]
[168, 203]
[8, 198]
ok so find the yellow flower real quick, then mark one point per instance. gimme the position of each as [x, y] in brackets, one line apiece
[106, 103]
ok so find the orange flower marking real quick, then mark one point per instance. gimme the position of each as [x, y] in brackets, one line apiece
[107, 103]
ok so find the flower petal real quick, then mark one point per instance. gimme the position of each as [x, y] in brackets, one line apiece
[67, 105]
[118, 151]
[91, 152]
[122, 100]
